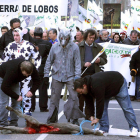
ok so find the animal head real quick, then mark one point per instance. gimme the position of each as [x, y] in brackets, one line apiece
[64, 36]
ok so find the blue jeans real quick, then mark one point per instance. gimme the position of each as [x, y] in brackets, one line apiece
[4, 101]
[124, 101]
[137, 87]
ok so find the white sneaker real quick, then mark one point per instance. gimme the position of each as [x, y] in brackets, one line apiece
[100, 133]
[134, 132]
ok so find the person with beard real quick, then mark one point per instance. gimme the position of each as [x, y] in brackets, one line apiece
[103, 37]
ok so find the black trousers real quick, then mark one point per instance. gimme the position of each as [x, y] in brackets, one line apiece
[33, 101]
[43, 95]
[82, 101]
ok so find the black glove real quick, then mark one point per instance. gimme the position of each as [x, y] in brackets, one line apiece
[46, 80]
[132, 73]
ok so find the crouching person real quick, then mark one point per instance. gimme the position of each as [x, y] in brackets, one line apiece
[102, 86]
[11, 73]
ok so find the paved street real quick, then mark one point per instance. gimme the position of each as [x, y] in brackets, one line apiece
[118, 125]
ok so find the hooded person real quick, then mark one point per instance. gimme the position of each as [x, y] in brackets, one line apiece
[21, 48]
[64, 57]
[21, 32]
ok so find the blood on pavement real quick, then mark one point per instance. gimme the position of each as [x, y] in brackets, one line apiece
[42, 129]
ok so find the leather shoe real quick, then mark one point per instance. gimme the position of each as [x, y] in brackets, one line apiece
[132, 98]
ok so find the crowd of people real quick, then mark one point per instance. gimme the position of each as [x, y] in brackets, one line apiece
[28, 56]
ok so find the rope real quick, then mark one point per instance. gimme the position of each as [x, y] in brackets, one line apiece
[95, 126]
[81, 130]
[21, 106]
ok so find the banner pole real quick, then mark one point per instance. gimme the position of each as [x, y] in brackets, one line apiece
[66, 21]
[111, 24]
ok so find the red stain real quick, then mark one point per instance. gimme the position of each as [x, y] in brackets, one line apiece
[42, 129]
[31, 130]
[45, 129]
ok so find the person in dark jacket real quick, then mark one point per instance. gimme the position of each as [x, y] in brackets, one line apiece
[4, 29]
[135, 71]
[43, 46]
[102, 86]
[132, 40]
[103, 37]
[11, 73]
[8, 36]
[21, 48]
[88, 51]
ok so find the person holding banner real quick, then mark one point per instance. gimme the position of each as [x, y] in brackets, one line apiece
[102, 86]
[8, 37]
[88, 51]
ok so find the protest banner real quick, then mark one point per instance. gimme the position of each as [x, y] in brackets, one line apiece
[121, 64]
[34, 7]
[93, 11]
[84, 21]
[72, 10]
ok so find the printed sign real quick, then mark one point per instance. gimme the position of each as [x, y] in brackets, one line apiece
[113, 10]
[29, 7]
